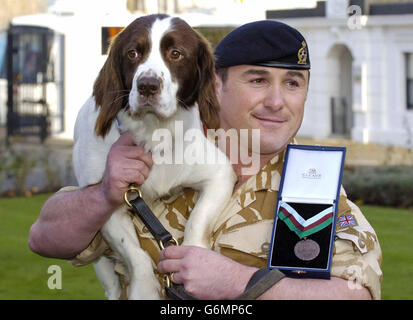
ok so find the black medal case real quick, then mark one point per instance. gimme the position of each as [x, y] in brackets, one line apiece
[305, 216]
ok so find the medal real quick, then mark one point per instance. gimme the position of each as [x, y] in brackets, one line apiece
[306, 249]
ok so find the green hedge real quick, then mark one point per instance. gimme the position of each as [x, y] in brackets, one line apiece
[386, 185]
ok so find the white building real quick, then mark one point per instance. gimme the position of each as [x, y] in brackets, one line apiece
[361, 82]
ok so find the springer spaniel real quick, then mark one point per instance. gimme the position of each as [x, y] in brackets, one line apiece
[159, 73]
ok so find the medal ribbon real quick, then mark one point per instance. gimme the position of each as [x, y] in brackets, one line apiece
[302, 227]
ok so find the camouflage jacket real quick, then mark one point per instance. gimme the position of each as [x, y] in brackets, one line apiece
[243, 230]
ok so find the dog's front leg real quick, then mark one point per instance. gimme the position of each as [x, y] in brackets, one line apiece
[213, 197]
[105, 271]
[120, 234]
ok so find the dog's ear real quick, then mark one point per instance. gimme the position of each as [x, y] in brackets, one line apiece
[207, 99]
[109, 89]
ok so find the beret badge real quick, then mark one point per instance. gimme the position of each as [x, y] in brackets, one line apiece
[302, 54]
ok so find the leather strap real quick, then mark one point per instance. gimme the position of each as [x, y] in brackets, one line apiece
[151, 221]
[178, 292]
[261, 281]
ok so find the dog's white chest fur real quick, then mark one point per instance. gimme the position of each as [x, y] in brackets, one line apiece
[170, 148]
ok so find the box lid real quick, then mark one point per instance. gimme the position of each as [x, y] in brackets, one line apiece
[312, 173]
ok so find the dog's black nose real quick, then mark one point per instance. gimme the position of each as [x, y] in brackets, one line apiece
[148, 86]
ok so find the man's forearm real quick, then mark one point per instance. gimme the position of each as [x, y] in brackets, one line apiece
[314, 289]
[68, 222]
[207, 274]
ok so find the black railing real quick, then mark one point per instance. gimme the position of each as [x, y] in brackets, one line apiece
[28, 56]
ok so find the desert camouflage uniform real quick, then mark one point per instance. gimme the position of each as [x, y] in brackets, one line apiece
[243, 231]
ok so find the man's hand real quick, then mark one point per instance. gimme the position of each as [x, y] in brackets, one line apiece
[126, 164]
[69, 220]
[208, 275]
[205, 273]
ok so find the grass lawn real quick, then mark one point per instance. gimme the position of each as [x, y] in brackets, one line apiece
[394, 228]
[24, 274]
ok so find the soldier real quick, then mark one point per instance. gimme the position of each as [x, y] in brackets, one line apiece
[262, 82]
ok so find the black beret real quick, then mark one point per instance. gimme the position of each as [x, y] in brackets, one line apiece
[265, 43]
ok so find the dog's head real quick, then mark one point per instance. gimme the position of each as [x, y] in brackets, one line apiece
[156, 64]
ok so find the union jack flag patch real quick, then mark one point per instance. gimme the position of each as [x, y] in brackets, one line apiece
[347, 220]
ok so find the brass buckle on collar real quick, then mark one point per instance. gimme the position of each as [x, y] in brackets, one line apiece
[132, 189]
[167, 278]
[172, 242]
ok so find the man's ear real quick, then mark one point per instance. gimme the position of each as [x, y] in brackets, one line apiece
[218, 87]
[308, 85]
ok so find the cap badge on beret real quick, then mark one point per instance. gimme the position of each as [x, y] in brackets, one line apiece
[302, 53]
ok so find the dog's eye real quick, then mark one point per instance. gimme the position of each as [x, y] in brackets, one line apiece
[133, 55]
[175, 54]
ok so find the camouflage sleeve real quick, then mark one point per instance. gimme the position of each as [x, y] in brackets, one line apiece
[96, 247]
[357, 253]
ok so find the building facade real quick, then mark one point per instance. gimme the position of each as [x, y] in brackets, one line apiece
[361, 51]
[361, 84]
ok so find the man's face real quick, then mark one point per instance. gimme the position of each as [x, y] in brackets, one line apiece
[265, 98]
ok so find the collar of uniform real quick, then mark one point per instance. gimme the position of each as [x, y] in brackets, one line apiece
[268, 179]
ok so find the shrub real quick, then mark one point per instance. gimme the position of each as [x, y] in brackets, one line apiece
[26, 169]
[386, 185]
[16, 166]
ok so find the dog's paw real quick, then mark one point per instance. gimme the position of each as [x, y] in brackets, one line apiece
[144, 294]
[113, 295]
[145, 289]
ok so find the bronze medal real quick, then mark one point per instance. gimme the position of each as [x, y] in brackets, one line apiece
[307, 250]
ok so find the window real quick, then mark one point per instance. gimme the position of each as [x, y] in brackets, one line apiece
[409, 81]
[3, 47]
[108, 33]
